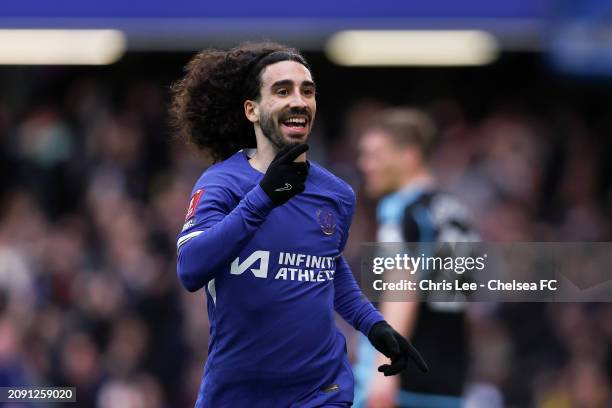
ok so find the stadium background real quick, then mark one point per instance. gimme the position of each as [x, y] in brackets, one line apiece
[94, 188]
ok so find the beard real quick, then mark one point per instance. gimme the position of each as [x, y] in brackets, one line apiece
[271, 127]
[271, 131]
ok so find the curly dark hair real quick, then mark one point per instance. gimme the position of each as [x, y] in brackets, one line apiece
[207, 103]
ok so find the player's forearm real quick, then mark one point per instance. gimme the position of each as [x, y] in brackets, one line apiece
[211, 250]
[350, 302]
[401, 315]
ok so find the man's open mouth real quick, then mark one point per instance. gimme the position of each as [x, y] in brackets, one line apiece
[295, 122]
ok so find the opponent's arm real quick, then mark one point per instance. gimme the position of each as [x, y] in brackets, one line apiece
[401, 316]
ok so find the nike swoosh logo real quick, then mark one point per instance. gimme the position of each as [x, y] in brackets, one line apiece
[286, 188]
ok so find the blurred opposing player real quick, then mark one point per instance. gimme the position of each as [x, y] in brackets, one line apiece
[394, 152]
[264, 236]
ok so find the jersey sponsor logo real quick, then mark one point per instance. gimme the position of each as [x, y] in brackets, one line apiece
[193, 204]
[326, 220]
[291, 266]
[238, 268]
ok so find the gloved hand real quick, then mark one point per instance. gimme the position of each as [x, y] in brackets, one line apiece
[389, 342]
[285, 178]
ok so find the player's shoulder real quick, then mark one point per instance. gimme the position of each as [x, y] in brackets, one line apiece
[216, 192]
[228, 174]
[442, 204]
[331, 184]
[446, 211]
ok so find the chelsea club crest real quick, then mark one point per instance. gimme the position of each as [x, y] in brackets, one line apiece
[326, 220]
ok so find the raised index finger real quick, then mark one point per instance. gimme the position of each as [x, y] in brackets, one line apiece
[292, 153]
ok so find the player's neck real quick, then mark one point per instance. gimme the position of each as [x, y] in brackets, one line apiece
[262, 159]
[264, 154]
[421, 177]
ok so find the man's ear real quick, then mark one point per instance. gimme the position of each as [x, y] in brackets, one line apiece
[251, 111]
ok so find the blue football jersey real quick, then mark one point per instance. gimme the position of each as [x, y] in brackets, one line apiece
[273, 277]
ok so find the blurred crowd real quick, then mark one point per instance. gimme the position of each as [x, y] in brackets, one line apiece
[94, 190]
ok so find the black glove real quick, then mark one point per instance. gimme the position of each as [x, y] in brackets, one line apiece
[284, 177]
[397, 348]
